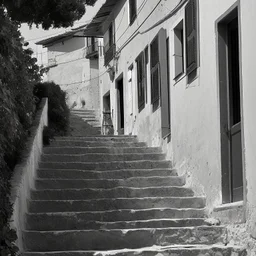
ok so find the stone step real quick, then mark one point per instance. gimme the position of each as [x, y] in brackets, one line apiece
[120, 192]
[114, 165]
[93, 124]
[82, 111]
[98, 138]
[121, 215]
[41, 241]
[102, 150]
[185, 250]
[135, 182]
[66, 223]
[99, 157]
[90, 120]
[85, 115]
[103, 143]
[113, 204]
[105, 174]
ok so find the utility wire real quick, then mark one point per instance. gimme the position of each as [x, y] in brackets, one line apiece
[137, 32]
[83, 81]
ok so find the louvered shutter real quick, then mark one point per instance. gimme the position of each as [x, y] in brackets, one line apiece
[140, 81]
[155, 76]
[133, 10]
[191, 36]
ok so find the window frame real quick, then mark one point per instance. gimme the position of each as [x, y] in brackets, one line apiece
[155, 99]
[179, 37]
[141, 80]
[132, 17]
[192, 33]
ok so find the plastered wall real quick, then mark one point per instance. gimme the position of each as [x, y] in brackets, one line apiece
[75, 74]
[194, 146]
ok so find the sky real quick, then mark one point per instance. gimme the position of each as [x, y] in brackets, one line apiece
[33, 35]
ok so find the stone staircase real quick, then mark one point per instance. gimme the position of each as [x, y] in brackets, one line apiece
[84, 122]
[112, 195]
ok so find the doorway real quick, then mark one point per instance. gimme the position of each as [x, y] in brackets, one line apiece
[120, 105]
[230, 108]
[107, 125]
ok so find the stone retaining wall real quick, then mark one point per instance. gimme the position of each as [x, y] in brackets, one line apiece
[25, 171]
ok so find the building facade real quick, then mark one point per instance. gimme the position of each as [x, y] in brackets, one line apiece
[73, 63]
[179, 74]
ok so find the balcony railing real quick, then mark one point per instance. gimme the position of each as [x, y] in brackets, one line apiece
[92, 50]
[109, 54]
[107, 125]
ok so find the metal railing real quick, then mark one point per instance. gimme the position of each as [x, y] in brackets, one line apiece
[92, 50]
[107, 125]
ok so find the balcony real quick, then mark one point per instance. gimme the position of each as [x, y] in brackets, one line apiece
[92, 50]
[109, 54]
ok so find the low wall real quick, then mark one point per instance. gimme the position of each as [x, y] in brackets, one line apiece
[25, 172]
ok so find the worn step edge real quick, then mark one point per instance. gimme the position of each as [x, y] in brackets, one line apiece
[116, 203]
[183, 250]
[122, 238]
[127, 214]
[109, 193]
[74, 222]
[131, 182]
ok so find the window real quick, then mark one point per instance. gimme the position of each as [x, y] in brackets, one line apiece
[109, 44]
[146, 72]
[178, 50]
[155, 74]
[132, 10]
[191, 19]
[141, 80]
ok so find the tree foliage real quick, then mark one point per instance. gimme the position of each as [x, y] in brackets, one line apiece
[48, 13]
[18, 74]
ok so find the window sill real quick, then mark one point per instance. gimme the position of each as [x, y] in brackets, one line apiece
[224, 207]
[132, 20]
[179, 78]
[232, 213]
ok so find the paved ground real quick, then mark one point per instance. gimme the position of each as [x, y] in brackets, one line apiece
[79, 127]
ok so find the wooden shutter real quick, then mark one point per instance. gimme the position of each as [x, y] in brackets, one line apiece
[146, 73]
[191, 36]
[155, 76]
[140, 81]
[133, 10]
[164, 85]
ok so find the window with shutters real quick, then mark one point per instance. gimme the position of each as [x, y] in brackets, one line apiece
[132, 10]
[141, 80]
[109, 44]
[192, 49]
[146, 72]
[155, 73]
[178, 50]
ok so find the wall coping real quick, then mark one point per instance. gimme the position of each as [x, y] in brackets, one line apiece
[25, 171]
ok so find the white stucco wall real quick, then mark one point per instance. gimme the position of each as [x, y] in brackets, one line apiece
[23, 179]
[75, 74]
[248, 33]
[195, 147]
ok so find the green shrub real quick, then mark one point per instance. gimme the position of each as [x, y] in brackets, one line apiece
[58, 111]
[18, 74]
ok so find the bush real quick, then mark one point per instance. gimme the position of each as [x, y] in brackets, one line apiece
[58, 111]
[18, 74]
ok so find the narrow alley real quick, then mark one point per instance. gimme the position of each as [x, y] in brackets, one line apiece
[113, 195]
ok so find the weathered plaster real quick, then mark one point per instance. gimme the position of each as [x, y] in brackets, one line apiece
[76, 75]
[248, 34]
[25, 172]
[194, 146]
